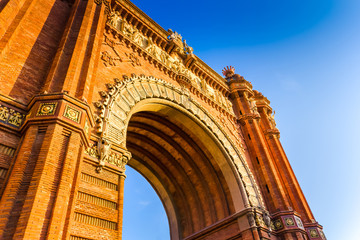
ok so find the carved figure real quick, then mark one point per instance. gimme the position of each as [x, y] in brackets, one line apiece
[137, 37]
[103, 150]
[114, 19]
[251, 219]
[15, 118]
[253, 107]
[174, 35]
[4, 113]
[210, 91]
[150, 48]
[187, 48]
[272, 120]
[267, 219]
[128, 29]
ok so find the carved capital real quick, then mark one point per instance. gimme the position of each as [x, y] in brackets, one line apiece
[272, 133]
[248, 118]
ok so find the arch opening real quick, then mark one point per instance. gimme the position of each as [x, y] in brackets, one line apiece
[143, 210]
[185, 166]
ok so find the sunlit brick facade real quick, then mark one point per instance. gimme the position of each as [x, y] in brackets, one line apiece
[88, 87]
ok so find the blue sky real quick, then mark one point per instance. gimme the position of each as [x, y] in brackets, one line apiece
[304, 56]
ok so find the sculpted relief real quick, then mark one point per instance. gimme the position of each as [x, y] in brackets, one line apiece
[173, 62]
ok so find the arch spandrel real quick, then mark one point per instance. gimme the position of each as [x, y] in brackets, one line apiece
[139, 93]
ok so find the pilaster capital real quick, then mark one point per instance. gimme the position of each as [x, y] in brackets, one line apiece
[248, 118]
[272, 133]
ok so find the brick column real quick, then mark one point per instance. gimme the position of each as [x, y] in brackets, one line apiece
[35, 202]
[121, 204]
[261, 158]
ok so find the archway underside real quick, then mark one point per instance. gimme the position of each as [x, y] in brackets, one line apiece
[184, 173]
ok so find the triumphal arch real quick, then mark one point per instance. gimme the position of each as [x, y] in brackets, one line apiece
[88, 87]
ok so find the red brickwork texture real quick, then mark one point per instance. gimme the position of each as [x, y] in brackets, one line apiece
[51, 189]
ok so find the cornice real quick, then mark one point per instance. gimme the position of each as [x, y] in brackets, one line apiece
[160, 37]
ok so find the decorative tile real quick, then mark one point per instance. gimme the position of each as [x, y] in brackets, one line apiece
[289, 221]
[299, 222]
[278, 224]
[46, 109]
[313, 233]
[72, 114]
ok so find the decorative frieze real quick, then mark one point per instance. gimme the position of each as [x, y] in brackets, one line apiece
[173, 63]
[11, 117]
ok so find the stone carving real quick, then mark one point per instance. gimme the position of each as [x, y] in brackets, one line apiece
[267, 219]
[187, 48]
[138, 38]
[11, 117]
[133, 59]
[251, 219]
[114, 19]
[128, 30]
[271, 118]
[122, 95]
[171, 62]
[102, 151]
[15, 118]
[4, 113]
[108, 60]
[174, 35]
[253, 107]
[259, 221]
[103, 148]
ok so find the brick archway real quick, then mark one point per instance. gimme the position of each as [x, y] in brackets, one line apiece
[212, 177]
